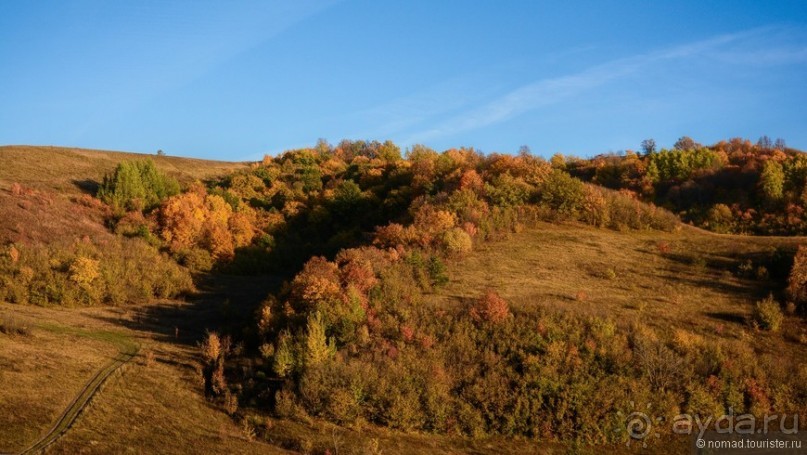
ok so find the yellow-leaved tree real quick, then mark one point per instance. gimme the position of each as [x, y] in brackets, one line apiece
[199, 220]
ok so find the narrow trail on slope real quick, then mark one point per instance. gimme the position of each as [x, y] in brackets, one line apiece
[80, 402]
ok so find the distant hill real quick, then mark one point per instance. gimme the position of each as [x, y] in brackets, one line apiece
[732, 186]
[70, 169]
[41, 188]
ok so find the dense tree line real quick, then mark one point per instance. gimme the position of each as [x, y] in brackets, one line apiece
[732, 186]
[317, 201]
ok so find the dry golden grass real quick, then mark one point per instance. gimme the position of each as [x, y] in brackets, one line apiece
[149, 406]
[40, 374]
[623, 275]
[687, 285]
[64, 169]
[318, 437]
[156, 408]
[43, 190]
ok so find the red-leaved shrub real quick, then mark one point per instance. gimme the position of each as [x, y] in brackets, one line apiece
[490, 308]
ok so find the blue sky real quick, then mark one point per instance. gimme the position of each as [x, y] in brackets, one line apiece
[236, 80]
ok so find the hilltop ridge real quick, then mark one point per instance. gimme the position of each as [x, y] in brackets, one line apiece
[61, 168]
[42, 188]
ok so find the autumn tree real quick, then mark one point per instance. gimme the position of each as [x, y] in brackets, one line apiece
[471, 180]
[457, 242]
[558, 161]
[490, 308]
[199, 220]
[214, 350]
[317, 285]
[765, 143]
[423, 167]
[431, 222]
[182, 219]
[216, 236]
[720, 218]
[85, 271]
[317, 346]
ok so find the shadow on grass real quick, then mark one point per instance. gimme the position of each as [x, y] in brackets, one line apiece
[222, 303]
[725, 316]
[776, 262]
[87, 186]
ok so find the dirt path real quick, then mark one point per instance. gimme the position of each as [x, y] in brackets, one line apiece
[74, 409]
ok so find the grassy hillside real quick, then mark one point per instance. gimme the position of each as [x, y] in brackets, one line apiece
[72, 170]
[354, 299]
[685, 285]
[689, 286]
[691, 279]
[42, 189]
[152, 404]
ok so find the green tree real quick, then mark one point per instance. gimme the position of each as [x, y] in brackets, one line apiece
[389, 152]
[283, 362]
[558, 161]
[772, 181]
[508, 191]
[562, 192]
[136, 185]
[318, 348]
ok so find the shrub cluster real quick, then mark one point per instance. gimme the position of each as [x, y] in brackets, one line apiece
[768, 315]
[195, 223]
[119, 271]
[405, 364]
[621, 210]
[136, 185]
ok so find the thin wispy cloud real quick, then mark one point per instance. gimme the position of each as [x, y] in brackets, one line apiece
[764, 57]
[538, 94]
[551, 91]
[405, 112]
